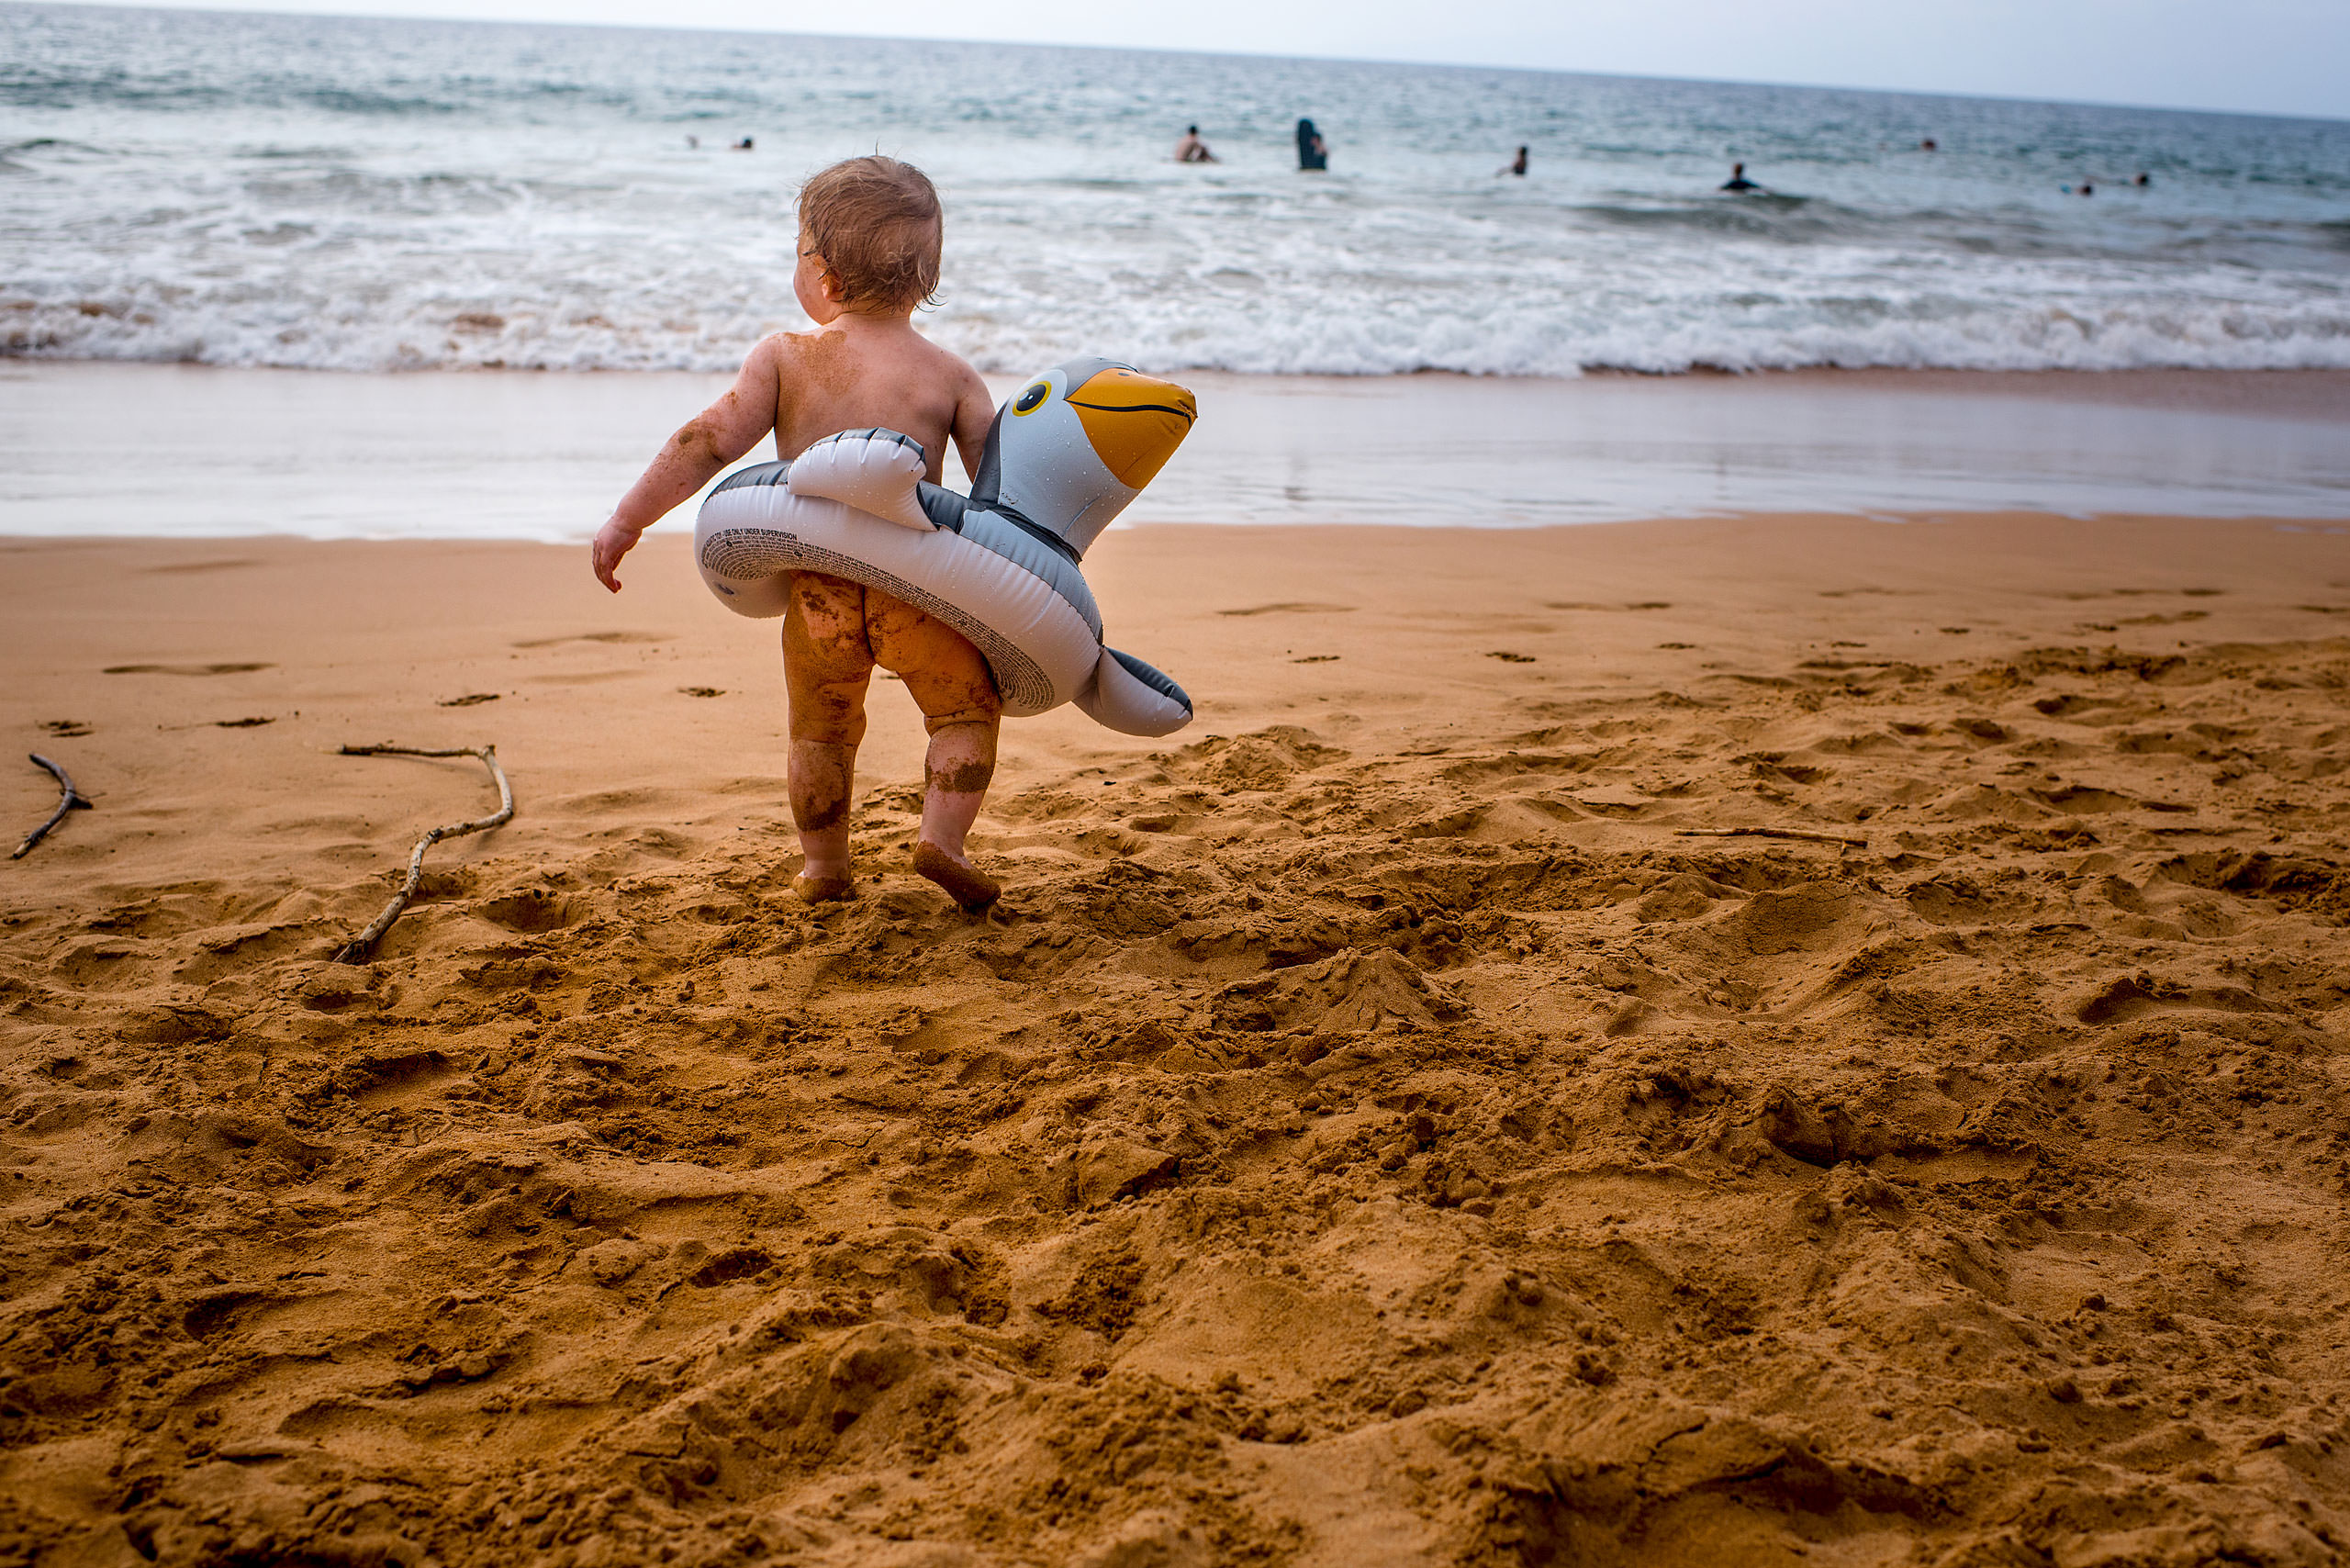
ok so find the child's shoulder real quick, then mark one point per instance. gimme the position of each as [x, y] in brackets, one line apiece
[954, 366]
[784, 346]
[810, 351]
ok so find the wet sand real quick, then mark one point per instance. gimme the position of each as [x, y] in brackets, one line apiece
[1402, 1119]
[186, 451]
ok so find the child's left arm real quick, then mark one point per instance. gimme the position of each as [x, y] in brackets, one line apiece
[691, 458]
[974, 412]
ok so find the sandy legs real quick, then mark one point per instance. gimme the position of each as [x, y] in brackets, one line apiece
[956, 774]
[834, 632]
[820, 776]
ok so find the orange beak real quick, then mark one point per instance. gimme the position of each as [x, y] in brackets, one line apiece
[1134, 423]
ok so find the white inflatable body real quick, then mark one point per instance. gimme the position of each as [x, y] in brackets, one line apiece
[1064, 456]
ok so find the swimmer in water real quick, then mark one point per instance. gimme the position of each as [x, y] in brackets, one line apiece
[1313, 153]
[1516, 166]
[868, 255]
[1738, 180]
[1192, 150]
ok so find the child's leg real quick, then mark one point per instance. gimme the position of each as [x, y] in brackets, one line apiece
[949, 681]
[955, 775]
[826, 664]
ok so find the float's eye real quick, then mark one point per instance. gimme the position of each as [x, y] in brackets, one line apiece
[1032, 397]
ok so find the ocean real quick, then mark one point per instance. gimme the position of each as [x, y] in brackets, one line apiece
[374, 194]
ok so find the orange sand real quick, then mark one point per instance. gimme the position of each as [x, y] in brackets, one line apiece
[1369, 1130]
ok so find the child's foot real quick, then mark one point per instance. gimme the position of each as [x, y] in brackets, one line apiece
[822, 889]
[965, 883]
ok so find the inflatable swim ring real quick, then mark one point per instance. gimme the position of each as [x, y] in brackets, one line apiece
[1063, 458]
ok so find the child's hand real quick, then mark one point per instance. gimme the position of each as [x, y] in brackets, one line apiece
[614, 539]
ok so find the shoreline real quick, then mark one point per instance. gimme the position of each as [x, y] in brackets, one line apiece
[2310, 394]
[228, 453]
[2324, 391]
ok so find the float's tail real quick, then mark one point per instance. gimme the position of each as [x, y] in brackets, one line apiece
[1130, 697]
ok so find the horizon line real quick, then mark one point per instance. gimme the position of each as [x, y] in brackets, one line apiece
[370, 16]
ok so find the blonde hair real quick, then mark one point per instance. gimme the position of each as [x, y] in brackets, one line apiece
[875, 222]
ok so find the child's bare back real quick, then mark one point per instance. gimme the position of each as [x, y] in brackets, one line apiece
[851, 375]
[868, 254]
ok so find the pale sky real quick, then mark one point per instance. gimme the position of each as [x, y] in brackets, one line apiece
[2259, 56]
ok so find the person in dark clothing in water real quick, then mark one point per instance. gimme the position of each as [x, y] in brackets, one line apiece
[1517, 166]
[1313, 153]
[1738, 180]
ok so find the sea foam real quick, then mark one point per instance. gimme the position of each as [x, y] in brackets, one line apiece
[410, 195]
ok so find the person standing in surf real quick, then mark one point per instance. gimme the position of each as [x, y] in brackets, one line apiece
[1313, 153]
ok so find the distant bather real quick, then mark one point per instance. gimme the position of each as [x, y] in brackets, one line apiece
[1313, 153]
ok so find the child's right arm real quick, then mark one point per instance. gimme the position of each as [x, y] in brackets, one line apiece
[691, 458]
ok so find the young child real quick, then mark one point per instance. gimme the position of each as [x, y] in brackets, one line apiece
[868, 255]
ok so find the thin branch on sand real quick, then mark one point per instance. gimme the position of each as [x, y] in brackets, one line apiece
[1804, 833]
[362, 948]
[71, 800]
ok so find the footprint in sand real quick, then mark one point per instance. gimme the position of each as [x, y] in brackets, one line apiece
[1292, 607]
[66, 729]
[186, 669]
[1808, 917]
[174, 568]
[595, 637]
[532, 911]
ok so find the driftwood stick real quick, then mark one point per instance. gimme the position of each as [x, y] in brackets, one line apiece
[362, 948]
[71, 800]
[1804, 834]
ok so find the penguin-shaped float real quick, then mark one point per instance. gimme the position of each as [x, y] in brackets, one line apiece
[1063, 458]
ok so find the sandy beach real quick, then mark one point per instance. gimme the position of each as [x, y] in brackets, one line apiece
[1419, 1114]
[1742, 965]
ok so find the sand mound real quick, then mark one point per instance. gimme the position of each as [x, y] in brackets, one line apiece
[1341, 1145]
